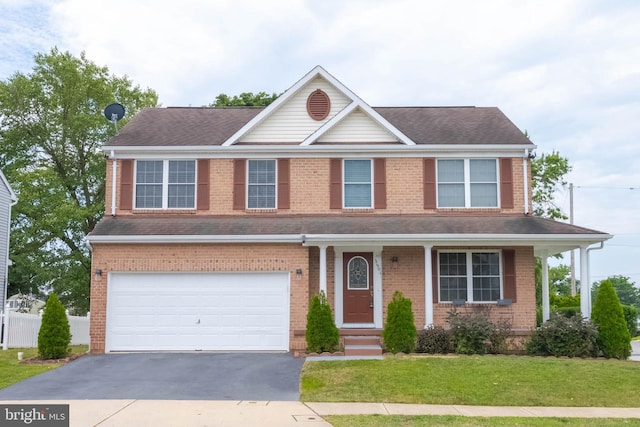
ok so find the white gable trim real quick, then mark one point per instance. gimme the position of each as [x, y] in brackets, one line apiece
[317, 71]
[331, 123]
[13, 195]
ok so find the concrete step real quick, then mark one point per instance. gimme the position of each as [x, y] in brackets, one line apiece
[362, 350]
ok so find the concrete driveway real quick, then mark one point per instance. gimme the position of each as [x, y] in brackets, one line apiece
[167, 376]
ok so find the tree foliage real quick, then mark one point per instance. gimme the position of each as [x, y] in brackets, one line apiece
[245, 99]
[547, 174]
[613, 336]
[51, 132]
[626, 290]
[54, 336]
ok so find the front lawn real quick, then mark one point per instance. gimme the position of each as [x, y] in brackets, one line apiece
[459, 421]
[475, 380]
[12, 371]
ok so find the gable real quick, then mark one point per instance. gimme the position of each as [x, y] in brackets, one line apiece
[357, 127]
[291, 123]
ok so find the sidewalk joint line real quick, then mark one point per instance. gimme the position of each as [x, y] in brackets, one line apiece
[117, 412]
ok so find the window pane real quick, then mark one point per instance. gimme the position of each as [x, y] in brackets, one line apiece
[262, 184]
[149, 172]
[357, 171]
[482, 170]
[453, 276]
[451, 171]
[357, 195]
[148, 196]
[486, 276]
[181, 196]
[451, 195]
[182, 171]
[453, 288]
[484, 195]
[358, 273]
[486, 288]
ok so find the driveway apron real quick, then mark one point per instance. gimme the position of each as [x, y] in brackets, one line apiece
[167, 376]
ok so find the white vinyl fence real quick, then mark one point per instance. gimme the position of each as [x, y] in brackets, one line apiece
[20, 330]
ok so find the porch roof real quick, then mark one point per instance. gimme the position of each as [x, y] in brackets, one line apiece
[546, 236]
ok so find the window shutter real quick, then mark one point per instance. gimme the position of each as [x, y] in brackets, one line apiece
[429, 183]
[126, 184]
[335, 183]
[203, 185]
[379, 184]
[506, 183]
[239, 183]
[283, 184]
[509, 274]
[434, 274]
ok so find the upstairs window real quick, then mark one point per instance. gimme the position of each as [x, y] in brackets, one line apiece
[261, 184]
[357, 184]
[165, 184]
[465, 183]
[469, 276]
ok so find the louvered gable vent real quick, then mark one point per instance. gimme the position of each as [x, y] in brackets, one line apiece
[318, 105]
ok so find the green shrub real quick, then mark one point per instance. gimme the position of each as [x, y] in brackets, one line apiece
[500, 333]
[54, 336]
[568, 311]
[470, 332]
[321, 333]
[614, 340]
[559, 301]
[399, 332]
[434, 340]
[631, 317]
[564, 336]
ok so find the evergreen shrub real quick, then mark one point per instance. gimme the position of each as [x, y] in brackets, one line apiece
[399, 334]
[614, 340]
[322, 333]
[54, 336]
[631, 317]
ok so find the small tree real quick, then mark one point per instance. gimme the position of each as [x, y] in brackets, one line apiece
[399, 332]
[322, 333]
[613, 336]
[54, 335]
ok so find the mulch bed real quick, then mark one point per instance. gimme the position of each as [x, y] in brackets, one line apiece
[37, 361]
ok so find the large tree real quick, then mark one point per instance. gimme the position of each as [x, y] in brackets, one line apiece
[245, 99]
[51, 131]
[626, 289]
[547, 174]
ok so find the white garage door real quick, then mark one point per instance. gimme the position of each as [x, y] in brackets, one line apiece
[197, 311]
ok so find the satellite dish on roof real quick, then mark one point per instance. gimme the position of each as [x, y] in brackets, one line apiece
[113, 113]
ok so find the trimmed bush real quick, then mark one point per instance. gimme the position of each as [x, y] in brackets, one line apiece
[322, 333]
[614, 340]
[564, 336]
[470, 332]
[631, 317]
[54, 336]
[567, 311]
[434, 340]
[564, 300]
[399, 332]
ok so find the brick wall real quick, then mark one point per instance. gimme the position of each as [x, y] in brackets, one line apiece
[199, 258]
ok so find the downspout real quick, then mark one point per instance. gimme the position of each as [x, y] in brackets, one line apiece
[589, 270]
[113, 183]
[525, 183]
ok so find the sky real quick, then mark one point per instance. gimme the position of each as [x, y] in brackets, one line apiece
[567, 72]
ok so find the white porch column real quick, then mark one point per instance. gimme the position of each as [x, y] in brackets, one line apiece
[323, 269]
[545, 287]
[428, 287]
[585, 293]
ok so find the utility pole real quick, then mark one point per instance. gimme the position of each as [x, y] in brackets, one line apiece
[573, 255]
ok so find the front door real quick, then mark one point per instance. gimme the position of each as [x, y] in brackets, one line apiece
[358, 287]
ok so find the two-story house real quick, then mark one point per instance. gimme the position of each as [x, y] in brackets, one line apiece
[221, 223]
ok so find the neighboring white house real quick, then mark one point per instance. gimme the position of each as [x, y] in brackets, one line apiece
[7, 200]
[25, 303]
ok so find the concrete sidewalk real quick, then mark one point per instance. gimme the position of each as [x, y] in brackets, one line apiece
[198, 413]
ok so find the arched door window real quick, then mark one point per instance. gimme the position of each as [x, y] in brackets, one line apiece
[358, 273]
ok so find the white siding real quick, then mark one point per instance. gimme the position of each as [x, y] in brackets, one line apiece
[291, 122]
[357, 127]
[5, 219]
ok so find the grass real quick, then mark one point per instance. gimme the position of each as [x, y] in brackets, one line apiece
[459, 421]
[475, 380]
[12, 371]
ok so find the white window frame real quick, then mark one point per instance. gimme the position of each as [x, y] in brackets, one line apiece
[344, 184]
[469, 273]
[275, 184]
[165, 184]
[467, 184]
